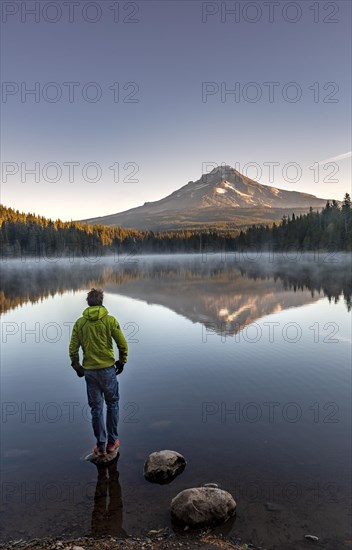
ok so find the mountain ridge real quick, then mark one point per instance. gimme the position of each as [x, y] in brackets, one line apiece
[222, 198]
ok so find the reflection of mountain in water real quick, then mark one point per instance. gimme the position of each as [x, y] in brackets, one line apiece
[225, 295]
[224, 302]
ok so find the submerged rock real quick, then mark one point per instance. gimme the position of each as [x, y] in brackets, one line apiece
[163, 466]
[272, 507]
[202, 506]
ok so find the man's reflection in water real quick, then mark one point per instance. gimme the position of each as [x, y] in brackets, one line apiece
[107, 514]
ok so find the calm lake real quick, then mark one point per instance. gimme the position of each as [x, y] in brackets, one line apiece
[242, 364]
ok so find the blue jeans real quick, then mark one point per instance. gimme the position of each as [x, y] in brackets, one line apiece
[102, 385]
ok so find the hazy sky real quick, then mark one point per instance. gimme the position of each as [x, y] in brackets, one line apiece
[131, 100]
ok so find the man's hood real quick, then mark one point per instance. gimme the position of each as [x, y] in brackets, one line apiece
[94, 313]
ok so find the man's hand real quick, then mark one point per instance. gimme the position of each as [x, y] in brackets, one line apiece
[119, 367]
[78, 368]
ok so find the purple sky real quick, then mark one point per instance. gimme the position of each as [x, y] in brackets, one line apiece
[133, 99]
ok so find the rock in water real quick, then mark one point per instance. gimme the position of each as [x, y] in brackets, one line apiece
[313, 538]
[163, 466]
[272, 507]
[102, 460]
[202, 506]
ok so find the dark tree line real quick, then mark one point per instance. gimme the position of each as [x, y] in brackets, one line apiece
[330, 229]
[30, 235]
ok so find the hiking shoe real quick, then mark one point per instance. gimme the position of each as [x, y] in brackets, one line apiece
[99, 452]
[111, 447]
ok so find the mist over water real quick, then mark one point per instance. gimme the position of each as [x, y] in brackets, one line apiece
[31, 279]
[241, 363]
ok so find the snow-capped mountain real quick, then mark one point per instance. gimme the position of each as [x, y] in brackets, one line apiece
[222, 198]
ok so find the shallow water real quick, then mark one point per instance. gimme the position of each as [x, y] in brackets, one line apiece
[240, 364]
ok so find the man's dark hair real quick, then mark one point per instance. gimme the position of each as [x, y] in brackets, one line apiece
[95, 297]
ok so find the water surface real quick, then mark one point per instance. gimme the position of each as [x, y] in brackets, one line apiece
[240, 364]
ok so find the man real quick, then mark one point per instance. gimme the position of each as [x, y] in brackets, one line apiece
[94, 332]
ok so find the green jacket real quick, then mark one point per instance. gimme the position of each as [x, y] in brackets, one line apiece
[94, 333]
